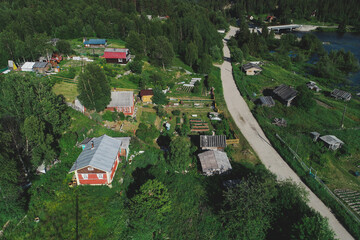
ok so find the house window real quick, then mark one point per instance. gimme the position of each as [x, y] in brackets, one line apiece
[90, 169]
[84, 176]
[100, 176]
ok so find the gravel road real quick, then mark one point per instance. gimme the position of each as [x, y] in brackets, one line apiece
[261, 145]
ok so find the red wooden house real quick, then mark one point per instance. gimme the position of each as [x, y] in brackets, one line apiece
[122, 102]
[97, 163]
[117, 55]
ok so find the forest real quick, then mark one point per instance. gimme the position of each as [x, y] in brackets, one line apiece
[190, 30]
[286, 10]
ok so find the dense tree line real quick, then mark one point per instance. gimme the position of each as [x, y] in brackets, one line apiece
[32, 118]
[189, 31]
[286, 10]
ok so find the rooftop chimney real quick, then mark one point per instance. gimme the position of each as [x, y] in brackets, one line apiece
[92, 145]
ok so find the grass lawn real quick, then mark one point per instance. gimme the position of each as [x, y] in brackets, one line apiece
[148, 117]
[69, 90]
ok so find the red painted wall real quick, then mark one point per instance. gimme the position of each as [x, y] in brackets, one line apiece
[113, 170]
[92, 179]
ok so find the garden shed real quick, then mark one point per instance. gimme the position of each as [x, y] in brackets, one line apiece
[216, 142]
[251, 69]
[332, 142]
[285, 93]
[340, 94]
[41, 67]
[267, 101]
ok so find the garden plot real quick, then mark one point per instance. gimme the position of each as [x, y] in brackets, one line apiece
[351, 198]
[197, 125]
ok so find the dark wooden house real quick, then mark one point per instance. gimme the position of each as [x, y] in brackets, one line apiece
[285, 94]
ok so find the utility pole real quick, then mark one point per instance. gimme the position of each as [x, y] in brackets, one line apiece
[343, 116]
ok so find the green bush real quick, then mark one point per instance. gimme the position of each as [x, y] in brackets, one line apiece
[176, 112]
[109, 116]
[96, 117]
[136, 66]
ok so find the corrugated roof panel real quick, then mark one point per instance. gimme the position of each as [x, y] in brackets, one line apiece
[102, 156]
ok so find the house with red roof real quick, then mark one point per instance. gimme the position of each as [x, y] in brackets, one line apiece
[117, 55]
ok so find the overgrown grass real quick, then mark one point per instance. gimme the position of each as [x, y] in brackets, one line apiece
[68, 90]
[335, 168]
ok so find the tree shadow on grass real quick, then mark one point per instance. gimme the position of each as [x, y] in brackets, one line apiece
[141, 176]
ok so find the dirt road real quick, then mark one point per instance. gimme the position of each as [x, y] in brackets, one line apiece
[261, 145]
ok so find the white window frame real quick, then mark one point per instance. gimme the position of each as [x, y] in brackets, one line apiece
[90, 168]
[85, 176]
[100, 175]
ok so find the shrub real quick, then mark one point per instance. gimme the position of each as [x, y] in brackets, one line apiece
[176, 112]
[136, 66]
[109, 116]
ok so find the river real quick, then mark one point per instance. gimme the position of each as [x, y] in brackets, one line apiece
[336, 41]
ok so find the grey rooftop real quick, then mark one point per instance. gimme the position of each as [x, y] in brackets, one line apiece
[213, 141]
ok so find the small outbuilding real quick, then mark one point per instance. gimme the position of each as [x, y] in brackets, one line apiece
[41, 67]
[27, 66]
[122, 102]
[214, 162]
[216, 142]
[340, 94]
[313, 86]
[332, 142]
[146, 95]
[251, 69]
[315, 136]
[266, 101]
[285, 94]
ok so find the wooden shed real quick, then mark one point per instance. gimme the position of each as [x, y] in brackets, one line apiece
[216, 142]
[251, 69]
[340, 94]
[285, 94]
[332, 142]
[41, 67]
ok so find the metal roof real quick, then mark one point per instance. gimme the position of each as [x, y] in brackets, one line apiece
[285, 92]
[102, 156]
[122, 50]
[122, 99]
[213, 141]
[214, 161]
[331, 139]
[96, 41]
[40, 64]
[248, 66]
[28, 65]
[340, 94]
[111, 53]
[267, 101]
